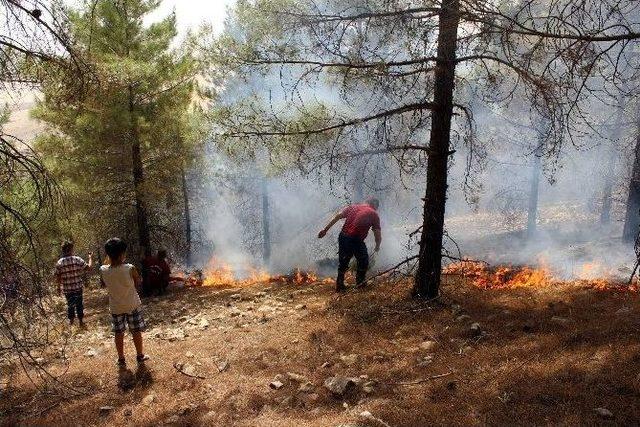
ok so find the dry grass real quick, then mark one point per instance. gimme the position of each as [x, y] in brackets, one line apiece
[527, 367]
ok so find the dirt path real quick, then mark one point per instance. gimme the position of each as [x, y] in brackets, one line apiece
[260, 356]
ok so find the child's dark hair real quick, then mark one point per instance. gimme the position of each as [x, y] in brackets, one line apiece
[114, 248]
[67, 247]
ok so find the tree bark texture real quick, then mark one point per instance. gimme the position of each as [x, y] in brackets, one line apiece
[427, 279]
[632, 218]
[534, 191]
[266, 219]
[144, 234]
[187, 218]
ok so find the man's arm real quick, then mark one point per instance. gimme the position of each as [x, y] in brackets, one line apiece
[377, 233]
[90, 264]
[340, 215]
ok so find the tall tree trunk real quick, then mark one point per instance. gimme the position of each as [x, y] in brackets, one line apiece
[605, 213]
[609, 173]
[427, 280]
[632, 218]
[144, 235]
[187, 217]
[266, 218]
[534, 191]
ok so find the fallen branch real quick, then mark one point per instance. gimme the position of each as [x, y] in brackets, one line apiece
[424, 380]
[395, 267]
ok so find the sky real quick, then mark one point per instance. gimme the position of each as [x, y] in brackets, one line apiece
[191, 13]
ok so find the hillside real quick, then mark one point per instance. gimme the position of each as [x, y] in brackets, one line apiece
[263, 355]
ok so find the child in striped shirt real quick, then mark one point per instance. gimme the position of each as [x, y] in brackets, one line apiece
[71, 273]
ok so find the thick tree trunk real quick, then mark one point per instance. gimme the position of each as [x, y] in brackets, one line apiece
[427, 280]
[187, 218]
[632, 218]
[534, 191]
[144, 235]
[266, 219]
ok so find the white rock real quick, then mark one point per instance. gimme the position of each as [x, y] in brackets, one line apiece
[339, 385]
[223, 366]
[368, 388]
[296, 377]
[428, 345]
[276, 385]
[174, 419]
[604, 412]
[189, 369]
[476, 329]
[350, 359]
[204, 323]
[148, 399]
[426, 360]
[306, 387]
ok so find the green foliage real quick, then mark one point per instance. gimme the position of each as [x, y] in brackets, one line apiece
[140, 92]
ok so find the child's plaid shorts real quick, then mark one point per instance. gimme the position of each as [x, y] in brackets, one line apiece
[133, 320]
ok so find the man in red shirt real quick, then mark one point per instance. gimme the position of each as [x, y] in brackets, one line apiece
[358, 220]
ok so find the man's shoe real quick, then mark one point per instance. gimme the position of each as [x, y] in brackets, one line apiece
[341, 289]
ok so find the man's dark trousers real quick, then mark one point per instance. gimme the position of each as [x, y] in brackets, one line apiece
[75, 305]
[349, 247]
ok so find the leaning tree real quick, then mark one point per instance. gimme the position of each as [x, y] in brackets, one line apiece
[415, 60]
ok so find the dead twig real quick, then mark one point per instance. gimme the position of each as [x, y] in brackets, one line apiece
[424, 380]
[395, 267]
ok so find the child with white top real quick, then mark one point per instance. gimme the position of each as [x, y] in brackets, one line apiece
[125, 305]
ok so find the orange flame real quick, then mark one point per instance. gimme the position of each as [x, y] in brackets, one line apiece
[220, 274]
[508, 277]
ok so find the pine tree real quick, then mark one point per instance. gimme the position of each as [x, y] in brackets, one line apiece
[120, 149]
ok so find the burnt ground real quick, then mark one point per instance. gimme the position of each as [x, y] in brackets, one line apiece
[541, 356]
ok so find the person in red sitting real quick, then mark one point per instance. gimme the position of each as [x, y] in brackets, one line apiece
[165, 271]
[358, 220]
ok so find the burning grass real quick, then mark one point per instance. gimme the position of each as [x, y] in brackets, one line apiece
[220, 274]
[485, 276]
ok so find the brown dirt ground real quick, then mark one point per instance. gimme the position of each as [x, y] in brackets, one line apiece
[527, 368]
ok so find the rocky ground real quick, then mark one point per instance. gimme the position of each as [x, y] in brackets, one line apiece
[286, 355]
